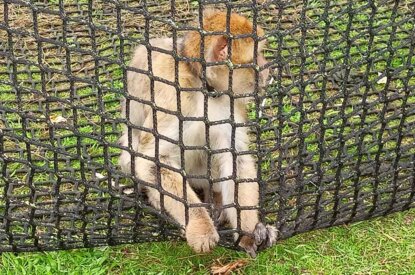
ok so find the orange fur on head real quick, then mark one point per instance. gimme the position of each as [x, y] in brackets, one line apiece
[215, 21]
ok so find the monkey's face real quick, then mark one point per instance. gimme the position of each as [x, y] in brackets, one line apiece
[243, 78]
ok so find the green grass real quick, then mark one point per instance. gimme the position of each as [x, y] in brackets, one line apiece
[380, 246]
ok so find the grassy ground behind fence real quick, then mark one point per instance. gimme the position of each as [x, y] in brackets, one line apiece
[385, 245]
[380, 246]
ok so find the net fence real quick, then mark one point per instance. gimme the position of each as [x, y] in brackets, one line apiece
[333, 135]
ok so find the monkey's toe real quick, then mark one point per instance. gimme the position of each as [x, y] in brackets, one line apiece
[201, 235]
[220, 218]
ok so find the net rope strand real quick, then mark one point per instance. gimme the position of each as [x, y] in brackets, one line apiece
[333, 134]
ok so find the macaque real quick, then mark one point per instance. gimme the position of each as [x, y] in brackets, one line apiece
[160, 110]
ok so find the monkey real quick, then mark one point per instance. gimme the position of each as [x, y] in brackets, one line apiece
[166, 97]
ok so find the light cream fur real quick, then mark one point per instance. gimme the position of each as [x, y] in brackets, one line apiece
[200, 232]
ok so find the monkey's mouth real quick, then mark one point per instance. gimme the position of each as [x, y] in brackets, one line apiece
[212, 92]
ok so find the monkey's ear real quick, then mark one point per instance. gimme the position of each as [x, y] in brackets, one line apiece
[220, 49]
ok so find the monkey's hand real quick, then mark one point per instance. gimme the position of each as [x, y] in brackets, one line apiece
[264, 236]
[201, 235]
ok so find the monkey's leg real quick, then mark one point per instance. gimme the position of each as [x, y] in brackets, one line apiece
[200, 231]
[261, 236]
[248, 196]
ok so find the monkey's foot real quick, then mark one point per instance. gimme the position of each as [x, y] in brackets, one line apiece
[201, 235]
[264, 236]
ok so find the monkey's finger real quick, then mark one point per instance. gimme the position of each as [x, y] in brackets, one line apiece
[251, 250]
[260, 234]
[248, 244]
[270, 239]
[219, 217]
[271, 235]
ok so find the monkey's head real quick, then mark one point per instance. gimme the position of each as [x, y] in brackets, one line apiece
[216, 49]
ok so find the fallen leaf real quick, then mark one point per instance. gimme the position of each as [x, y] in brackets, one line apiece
[409, 219]
[99, 176]
[127, 191]
[383, 80]
[228, 268]
[58, 119]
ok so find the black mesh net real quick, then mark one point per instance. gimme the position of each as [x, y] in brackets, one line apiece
[333, 136]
